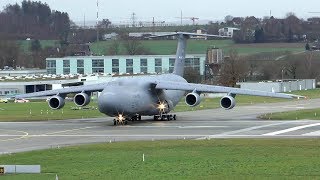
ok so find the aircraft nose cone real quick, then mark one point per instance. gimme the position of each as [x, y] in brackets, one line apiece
[110, 103]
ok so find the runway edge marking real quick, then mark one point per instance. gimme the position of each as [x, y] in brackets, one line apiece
[291, 129]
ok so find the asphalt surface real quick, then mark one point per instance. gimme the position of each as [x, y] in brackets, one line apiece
[241, 122]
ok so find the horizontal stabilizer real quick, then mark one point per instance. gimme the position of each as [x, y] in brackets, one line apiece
[189, 34]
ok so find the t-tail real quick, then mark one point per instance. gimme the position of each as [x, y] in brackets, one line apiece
[180, 55]
[181, 49]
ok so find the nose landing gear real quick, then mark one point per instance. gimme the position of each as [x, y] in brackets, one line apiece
[165, 117]
[121, 120]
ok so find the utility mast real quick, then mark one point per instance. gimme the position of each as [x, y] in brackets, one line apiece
[133, 19]
[97, 23]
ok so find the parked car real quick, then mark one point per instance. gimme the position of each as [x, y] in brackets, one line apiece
[3, 100]
[21, 101]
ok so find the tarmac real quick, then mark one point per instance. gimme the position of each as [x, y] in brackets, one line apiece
[240, 122]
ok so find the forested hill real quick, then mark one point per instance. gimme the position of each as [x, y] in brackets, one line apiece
[33, 20]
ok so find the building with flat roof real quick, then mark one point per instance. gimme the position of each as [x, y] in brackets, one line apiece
[126, 64]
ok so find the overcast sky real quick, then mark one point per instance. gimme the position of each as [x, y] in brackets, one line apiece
[167, 10]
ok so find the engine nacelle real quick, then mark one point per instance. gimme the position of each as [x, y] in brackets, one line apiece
[193, 99]
[227, 102]
[81, 99]
[56, 102]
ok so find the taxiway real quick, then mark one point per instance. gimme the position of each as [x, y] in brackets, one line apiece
[241, 122]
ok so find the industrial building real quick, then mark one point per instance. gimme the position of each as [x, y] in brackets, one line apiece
[280, 86]
[127, 64]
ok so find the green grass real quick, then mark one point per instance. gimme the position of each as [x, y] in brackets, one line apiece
[40, 111]
[179, 159]
[26, 45]
[310, 114]
[21, 111]
[200, 47]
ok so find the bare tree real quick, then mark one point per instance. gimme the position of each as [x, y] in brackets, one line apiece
[191, 75]
[233, 69]
[9, 53]
[134, 46]
[114, 49]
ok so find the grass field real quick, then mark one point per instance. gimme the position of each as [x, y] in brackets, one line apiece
[310, 114]
[40, 111]
[201, 46]
[194, 46]
[179, 159]
[26, 45]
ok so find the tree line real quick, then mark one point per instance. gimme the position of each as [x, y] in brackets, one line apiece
[33, 20]
[271, 29]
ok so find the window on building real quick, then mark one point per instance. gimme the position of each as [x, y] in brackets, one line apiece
[171, 69]
[115, 66]
[80, 70]
[129, 62]
[144, 70]
[143, 62]
[80, 63]
[171, 62]
[158, 65]
[129, 66]
[129, 70]
[144, 65]
[52, 71]
[66, 70]
[51, 64]
[158, 62]
[97, 65]
[115, 62]
[66, 63]
[115, 70]
[158, 69]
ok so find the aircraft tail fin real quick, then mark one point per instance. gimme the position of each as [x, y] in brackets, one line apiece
[181, 48]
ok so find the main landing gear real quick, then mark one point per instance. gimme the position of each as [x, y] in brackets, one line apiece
[120, 120]
[165, 117]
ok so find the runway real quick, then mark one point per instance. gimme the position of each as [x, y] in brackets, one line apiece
[241, 122]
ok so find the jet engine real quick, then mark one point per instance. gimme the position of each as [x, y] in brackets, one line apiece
[81, 99]
[193, 99]
[56, 102]
[227, 102]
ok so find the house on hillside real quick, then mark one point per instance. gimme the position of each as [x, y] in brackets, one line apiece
[228, 31]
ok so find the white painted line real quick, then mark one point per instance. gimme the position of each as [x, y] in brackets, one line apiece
[251, 128]
[291, 129]
[180, 127]
[315, 133]
[200, 136]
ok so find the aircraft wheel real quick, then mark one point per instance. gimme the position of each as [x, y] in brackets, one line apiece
[174, 117]
[114, 122]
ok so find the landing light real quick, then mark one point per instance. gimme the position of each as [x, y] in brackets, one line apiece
[121, 118]
[161, 106]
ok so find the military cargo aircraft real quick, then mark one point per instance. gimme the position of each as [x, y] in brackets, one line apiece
[129, 98]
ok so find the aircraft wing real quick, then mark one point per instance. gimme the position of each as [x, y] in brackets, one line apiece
[76, 89]
[202, 88]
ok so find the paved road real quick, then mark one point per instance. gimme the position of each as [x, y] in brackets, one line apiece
[240, 122]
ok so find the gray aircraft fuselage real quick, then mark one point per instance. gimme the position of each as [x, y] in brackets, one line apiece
[130, 96]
